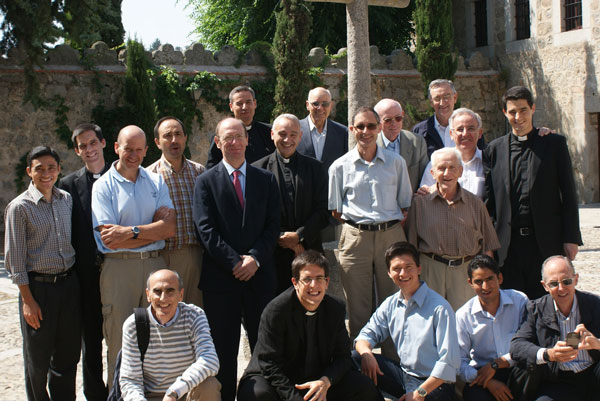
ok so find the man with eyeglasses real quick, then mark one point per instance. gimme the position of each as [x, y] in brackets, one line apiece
[369, 192]
[442, 96]
[236, 213]
[559, 340]
[408, 145]
[303, 349]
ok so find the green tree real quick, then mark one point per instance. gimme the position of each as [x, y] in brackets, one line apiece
[88, 21]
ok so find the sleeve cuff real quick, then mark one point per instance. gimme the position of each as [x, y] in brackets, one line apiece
[468, 374]
[444, 371]
[508, 359]
[21, 278]
[539, 359]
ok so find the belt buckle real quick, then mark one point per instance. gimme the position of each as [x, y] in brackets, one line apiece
[524, 231]
[453, 262]
[380, 226]
[54, 279]
[144, 255]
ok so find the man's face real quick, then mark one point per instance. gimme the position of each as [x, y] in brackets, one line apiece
[486, 284]
[311, 286]
[243, 107]
[89, 148]
[365, 129]
[319, 106]
[164, 295]
[171, 139]
[232, 140]
[44, 172]
[520, 116]
[446, 172]
[286, 135]
[404, 272]
[391, 121]
[555, 272]
[131, 150]
[443, 100]
[465, 133]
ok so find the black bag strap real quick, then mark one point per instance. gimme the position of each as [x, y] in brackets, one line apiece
[142, 325]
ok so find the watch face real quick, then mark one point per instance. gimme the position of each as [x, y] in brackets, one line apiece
[421, 392]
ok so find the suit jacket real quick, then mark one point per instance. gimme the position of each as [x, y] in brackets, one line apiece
[552, 193]
[336, 141]
[260, 145]
[541, 329]
[414, 151]
[228, 231]
[426, 129]
[280, 352]
[310, 205]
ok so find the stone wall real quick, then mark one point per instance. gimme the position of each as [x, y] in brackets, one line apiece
[22, 127]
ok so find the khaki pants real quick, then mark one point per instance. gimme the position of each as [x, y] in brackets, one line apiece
[187, 261]
[208, 390]
[122, 288]
[449, 282]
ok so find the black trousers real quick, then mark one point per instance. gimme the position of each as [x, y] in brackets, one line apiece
[582, 386]
[523, 266]
[51, 352]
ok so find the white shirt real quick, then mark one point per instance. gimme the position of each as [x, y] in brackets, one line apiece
[318, 139]
[472, 178]
[444, 133]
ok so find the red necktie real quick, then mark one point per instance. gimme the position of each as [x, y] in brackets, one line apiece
[238, 187]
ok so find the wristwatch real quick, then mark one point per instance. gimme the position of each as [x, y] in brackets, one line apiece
[421, 392]
[494, 365]
[546, 355]
[136, 231]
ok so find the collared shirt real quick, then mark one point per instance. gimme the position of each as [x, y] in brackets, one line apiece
[318, 138]
[460, 228]
[483, 337]
[472, 178]
[38, 234]
[444, 133]
[394, 145]
[241, 177]
[181, 189]
[116, 200]
[423, 330]
[369, 192]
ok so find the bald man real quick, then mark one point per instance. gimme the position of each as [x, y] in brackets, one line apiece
[132, 215]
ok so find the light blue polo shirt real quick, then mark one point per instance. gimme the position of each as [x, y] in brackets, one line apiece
[116, 200]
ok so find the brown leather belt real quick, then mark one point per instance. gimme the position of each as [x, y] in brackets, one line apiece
[50, 278]
[373, 227]
[449, 262]
[133, 255]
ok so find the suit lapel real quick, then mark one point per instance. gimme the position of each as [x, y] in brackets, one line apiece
[433, 133]
[504, 159]
[537, 151]
[309, 149]
[406, 148]
[85, 197]
[299, 181]
[549, 314]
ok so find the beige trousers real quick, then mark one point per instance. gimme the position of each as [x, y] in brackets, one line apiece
[449, 282]
[187, 261]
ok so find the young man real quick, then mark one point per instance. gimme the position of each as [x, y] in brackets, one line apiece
[485, 326]
[422, 327]
[39, 259]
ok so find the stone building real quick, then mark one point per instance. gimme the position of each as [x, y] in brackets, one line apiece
[552, 47]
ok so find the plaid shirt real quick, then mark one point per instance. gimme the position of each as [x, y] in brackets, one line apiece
[181, 190]
[38, 234]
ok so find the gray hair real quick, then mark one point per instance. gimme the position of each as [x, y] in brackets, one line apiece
[551, 258]
[179, 280]
[439, 82]
[443, 152]
[386, 102]
[464, 110]
[318, 88]
[287, 116]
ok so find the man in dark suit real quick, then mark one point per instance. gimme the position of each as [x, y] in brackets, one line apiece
[242, 103]
[236, 213]
[567, 370]
[435, 129]
[302, 183]
[531, 196]
[322, 138]
[88, 143]
[303, 350]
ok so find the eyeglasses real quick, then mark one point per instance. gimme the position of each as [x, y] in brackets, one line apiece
[565, 282]
[389, 120]
[469, 130]
[361, 127]
[317, 280]
[229, 139]
[317, 104]
[445, 98]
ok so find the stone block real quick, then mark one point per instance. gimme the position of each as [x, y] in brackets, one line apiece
[377, 60]
[197, 55]
[227, 56]
[316, 56]
[340, 60]
[399, 60]
[100, 54]
[478, 62]
[167, 55]
[62, 55]
[254, 56]
[123, 56]
[460, 64]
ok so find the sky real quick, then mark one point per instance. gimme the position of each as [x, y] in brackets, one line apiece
[163, 19]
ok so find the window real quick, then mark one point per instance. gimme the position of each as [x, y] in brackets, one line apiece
[522, 19]
[481, 32]
[572, 15]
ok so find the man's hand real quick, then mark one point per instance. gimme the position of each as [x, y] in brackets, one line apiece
[162, 213]
[32, 313]
[288, 239]
[169, 398]
[543, 131]
[317, 389]
[411, 397]
[337, 215]
[587, 340]
[298, 249]
[246, 270]
[369, 366]
[112, 235]
[570, 250]
[561, 352]
[484, 375]
[499, 390]
[423, 190]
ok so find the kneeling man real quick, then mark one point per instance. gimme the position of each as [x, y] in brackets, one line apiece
[181, 358]
[303, 348]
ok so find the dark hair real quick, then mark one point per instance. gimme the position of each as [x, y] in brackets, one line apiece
[366, 109]
[399, 249]
[165, 118]
[517, 93]
[81, 128]
[241, 88]
[310, 257]
[41, 151]
[483, 262]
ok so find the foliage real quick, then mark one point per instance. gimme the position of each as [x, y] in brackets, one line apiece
[88, 21]
[433, 19]
[289, 51]
[155, 45]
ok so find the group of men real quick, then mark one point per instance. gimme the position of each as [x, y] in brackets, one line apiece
[414, 233]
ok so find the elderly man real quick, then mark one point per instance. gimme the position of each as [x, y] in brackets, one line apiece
[322, 138]
[435, 129]
[369, 190]
[302, 183]
[180, 358]
[132, 214]
[303, 349]
[422, 327]
[182, 253]
[449, 226]
[242, 103]
[408, 145]
[559, 339]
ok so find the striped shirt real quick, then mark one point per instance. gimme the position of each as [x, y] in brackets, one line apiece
[460, 228]
[568, 324]
[38, 234]
[181, 190]
[180, 355]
